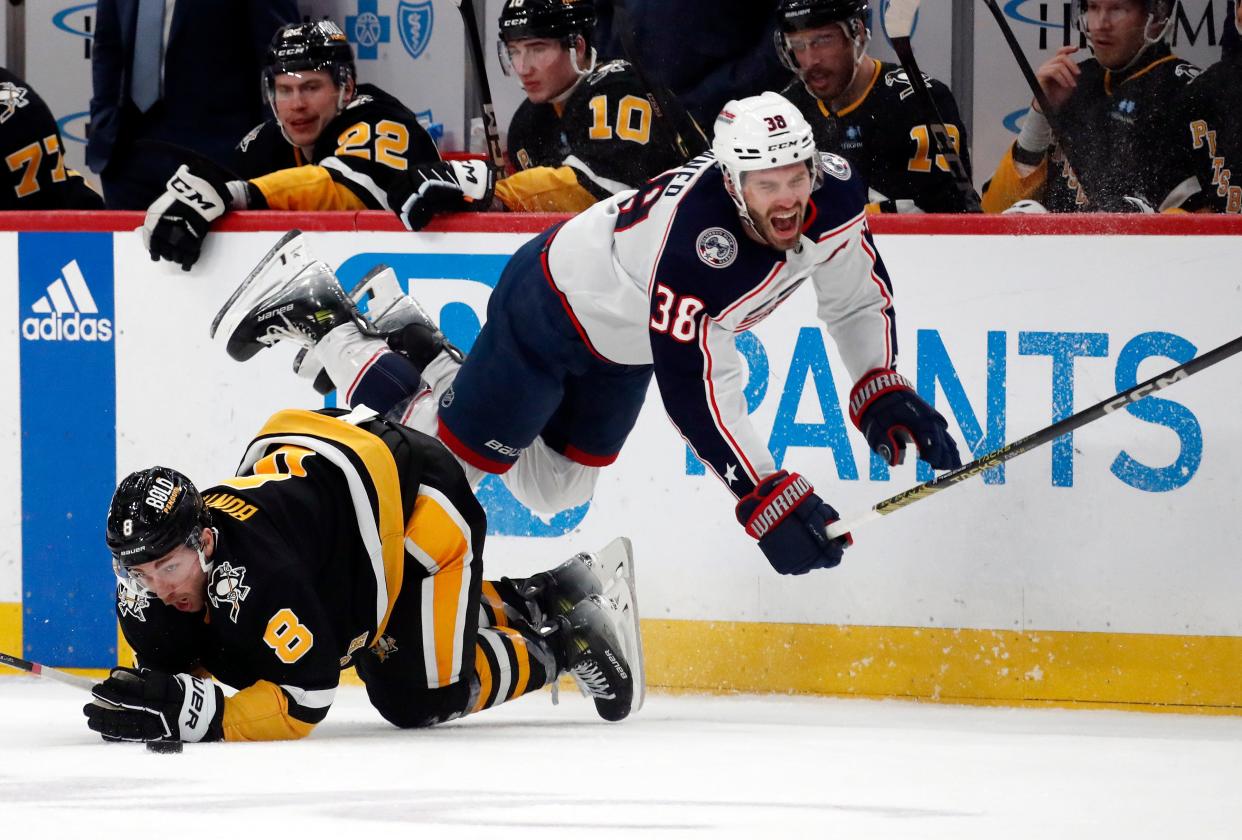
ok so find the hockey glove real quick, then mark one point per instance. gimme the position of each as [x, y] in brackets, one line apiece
[788, 519]
[441, 187]
[155, 706]
[890, 414]
[178, 221]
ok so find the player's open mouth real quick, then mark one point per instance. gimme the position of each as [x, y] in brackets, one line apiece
[183, 603]
[785, 224]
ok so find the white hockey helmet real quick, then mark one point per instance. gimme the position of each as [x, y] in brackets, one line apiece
[761, 132]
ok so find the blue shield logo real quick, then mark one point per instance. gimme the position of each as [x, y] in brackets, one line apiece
[415, 21]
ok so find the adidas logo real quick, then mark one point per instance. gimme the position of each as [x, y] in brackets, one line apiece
[67, 312]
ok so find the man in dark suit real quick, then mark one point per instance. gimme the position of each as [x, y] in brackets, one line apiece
[178, 71]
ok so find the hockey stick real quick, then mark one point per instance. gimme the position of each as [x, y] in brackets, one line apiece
[490, 128]
[1012, 450]
[1033, 83]
[84, 683]
[688, 139]
[899, 22]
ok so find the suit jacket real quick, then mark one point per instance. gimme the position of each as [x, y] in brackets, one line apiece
[212, 70]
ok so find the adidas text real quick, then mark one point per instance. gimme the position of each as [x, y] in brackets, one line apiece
[72, 327]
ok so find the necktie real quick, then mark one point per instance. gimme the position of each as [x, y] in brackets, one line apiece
[144, 87]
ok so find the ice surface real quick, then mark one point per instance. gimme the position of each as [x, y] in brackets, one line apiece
[685, 766]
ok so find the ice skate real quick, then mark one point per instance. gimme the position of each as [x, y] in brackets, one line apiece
[555, 592]
[391, 313]
[287, 297]
[603, 652]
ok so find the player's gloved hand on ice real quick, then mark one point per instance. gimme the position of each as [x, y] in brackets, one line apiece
[788, 519]
[890, 414]
[443, 187]
[178, 221]
[155, 706]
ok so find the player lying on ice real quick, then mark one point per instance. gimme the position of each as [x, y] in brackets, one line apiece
[343, 540]
[661, 279]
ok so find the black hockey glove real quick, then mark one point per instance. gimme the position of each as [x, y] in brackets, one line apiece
[441, 187]
[788, 519]
[178, 221]
[890, 414]
[155, 706]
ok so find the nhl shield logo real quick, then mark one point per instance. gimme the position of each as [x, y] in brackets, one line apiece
[716, 247]
[415, 21]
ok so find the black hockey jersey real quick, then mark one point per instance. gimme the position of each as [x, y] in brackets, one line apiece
[308, 564]
[886, 137]
[1122, 128]
[604, 137]
[35, 176]
[1211, 127]
[360, 152]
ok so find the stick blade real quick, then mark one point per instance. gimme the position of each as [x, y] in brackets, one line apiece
[899, 17]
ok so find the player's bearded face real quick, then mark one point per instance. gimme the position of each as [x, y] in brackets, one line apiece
[1118, 30]
[305, 103]
[826, 56]
[544, 67]
[777, 200]
[177, 579]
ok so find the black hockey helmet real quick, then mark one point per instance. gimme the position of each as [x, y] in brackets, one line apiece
[299, 47]
[153, 511]
[799, 15]
[562, 20]
[796, 15]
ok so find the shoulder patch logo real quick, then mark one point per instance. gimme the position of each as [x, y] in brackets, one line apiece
[131, 600]
[716, 247]
[1186, 71]
[250, 138]
[225, 587]
[835, 165]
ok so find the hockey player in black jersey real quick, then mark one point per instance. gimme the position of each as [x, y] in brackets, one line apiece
[35, 176]
[658, 280]
[342, 540]
[866, 111]
[1211, 126]
[332, 144]
[586, 130]
[1119, 110]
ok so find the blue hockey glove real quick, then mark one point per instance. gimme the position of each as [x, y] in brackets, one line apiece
[890, 414]
[788, 519]
[154, 706]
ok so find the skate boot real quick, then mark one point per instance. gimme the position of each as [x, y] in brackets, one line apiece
[391, 313]
[601, 648]
[555, 592]
[287, 297]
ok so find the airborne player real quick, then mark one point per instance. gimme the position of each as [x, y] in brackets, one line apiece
[585, 130]
[333, 144]
[1118, 109]
[866, 111]
[343, 540]
[655, 281]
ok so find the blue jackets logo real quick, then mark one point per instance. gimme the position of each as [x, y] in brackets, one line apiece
[415, 22]
[67, 311]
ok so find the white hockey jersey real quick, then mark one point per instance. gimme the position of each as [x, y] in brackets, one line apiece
[667, 276]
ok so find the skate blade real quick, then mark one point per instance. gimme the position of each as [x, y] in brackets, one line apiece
[289, 252]
[622, 591]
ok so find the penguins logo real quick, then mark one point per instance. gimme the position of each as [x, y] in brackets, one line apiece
[225, 587]
[133, 601]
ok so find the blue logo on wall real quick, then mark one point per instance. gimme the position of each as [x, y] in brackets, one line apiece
[67, 358]
[415, 21]
[368, 29]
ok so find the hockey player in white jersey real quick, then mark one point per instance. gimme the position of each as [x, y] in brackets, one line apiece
[657, 280]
